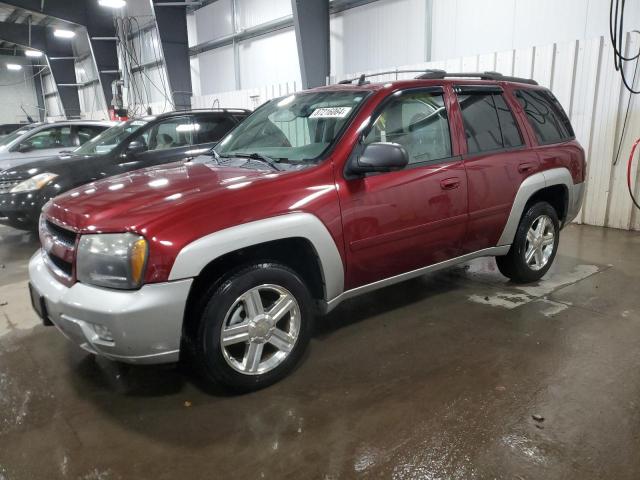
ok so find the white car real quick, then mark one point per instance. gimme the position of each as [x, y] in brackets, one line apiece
[39, 140]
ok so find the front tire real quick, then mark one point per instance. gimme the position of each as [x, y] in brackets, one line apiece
[534, 247]
[254, 328]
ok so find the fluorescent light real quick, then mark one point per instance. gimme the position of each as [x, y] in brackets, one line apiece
[14, 66]
[33, 53]
[112, 3]
[60, 33]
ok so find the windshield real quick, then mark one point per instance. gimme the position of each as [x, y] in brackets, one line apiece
[13, 135]
[293, 129]
[110, 138]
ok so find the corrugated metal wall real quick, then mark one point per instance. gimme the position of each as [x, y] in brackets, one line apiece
[581, 74]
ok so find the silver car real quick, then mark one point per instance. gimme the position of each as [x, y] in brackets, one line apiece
[38, 140]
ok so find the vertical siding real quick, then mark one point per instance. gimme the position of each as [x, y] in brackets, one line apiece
[582, 76]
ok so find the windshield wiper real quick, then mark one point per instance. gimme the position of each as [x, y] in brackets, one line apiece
[253, 156]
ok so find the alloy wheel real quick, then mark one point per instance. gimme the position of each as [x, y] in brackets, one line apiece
[540, 243]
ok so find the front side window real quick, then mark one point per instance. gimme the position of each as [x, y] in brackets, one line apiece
[110, 139]
[417, 121]
[294, 129]
[546, 116]
[56, 137]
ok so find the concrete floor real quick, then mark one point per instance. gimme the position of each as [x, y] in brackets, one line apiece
[435, 378]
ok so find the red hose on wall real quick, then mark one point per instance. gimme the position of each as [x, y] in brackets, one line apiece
[633, 150]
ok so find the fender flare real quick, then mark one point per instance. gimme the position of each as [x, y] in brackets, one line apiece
[195, 256]
[531, 185]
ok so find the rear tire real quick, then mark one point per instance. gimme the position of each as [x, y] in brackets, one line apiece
[534, 246]
[254, 328]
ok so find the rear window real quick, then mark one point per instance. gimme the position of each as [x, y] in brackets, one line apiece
[488, 123]
[546, 116]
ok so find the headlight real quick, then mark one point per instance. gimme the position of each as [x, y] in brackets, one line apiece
[34, 183]
[114, 260]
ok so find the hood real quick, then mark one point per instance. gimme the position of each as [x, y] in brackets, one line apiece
[20, 169]
[133, 200]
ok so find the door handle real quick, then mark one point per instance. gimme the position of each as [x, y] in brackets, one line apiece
[450, 183]
[526, 167]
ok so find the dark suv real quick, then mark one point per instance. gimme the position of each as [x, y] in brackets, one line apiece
[131, 145]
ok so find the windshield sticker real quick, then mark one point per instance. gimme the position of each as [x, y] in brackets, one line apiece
[330, 112]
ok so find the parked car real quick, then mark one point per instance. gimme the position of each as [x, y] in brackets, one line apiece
[7, 128]
[315, 198]
[128, 146]
[41, 140]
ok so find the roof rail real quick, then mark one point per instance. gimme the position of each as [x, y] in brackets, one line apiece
[496, 76]
[432, 74]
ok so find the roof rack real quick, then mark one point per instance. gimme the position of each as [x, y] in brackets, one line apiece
[432, 74]
[497, 76]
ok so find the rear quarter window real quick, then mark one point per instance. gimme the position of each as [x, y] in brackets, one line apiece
[545, 115]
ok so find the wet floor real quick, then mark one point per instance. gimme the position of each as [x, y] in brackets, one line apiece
[437, 378]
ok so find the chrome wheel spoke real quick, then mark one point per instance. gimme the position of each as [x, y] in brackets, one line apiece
[253, 303]
[282, 340]
[548, 239]
[531, 235]
[542, 224]
[539, 257]
[252, 357]
[529, 255]
[235, 334]
[282, 306]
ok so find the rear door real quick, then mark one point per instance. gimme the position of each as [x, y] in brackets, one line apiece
[399, 221]
[497, 160]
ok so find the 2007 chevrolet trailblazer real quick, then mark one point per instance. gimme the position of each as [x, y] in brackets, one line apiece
[314, 198]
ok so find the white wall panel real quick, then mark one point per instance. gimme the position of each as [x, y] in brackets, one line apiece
[17, 89]
[255, 12]
[268, 59]
[213, 21]
[216, 70]
[383, 33]
[465, 27]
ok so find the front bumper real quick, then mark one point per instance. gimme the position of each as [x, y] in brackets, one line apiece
[145, 325]
[24, 206]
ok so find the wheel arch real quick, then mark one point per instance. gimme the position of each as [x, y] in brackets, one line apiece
[554, 186]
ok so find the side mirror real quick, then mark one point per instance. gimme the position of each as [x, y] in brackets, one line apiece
[380, 157]
[136, 146]
[25, 147]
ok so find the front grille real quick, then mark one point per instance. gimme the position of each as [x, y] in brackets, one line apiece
[59, 246]
[61, 234]
[7, 185]
[65, 267]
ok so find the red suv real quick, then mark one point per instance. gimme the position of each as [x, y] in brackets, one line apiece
[314, 198]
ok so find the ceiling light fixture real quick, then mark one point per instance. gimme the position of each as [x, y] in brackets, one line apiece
[61, 33]
[33, 53]
[112, 3]
[14, 66]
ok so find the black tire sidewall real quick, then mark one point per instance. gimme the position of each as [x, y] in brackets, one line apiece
[523, 270]
[209, 349]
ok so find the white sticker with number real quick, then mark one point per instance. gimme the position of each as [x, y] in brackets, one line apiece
[330, 112]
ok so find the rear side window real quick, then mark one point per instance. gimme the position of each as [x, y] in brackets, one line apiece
[87, 132]
[546, 116]
[213, 128]
[488, 123]
[418, 121]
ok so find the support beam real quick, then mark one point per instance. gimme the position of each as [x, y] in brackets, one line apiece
[311, 22]
[172, 28]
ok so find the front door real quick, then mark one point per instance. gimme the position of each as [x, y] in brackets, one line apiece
[400, 221]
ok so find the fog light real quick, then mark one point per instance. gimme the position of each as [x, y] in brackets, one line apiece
[103, 332]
